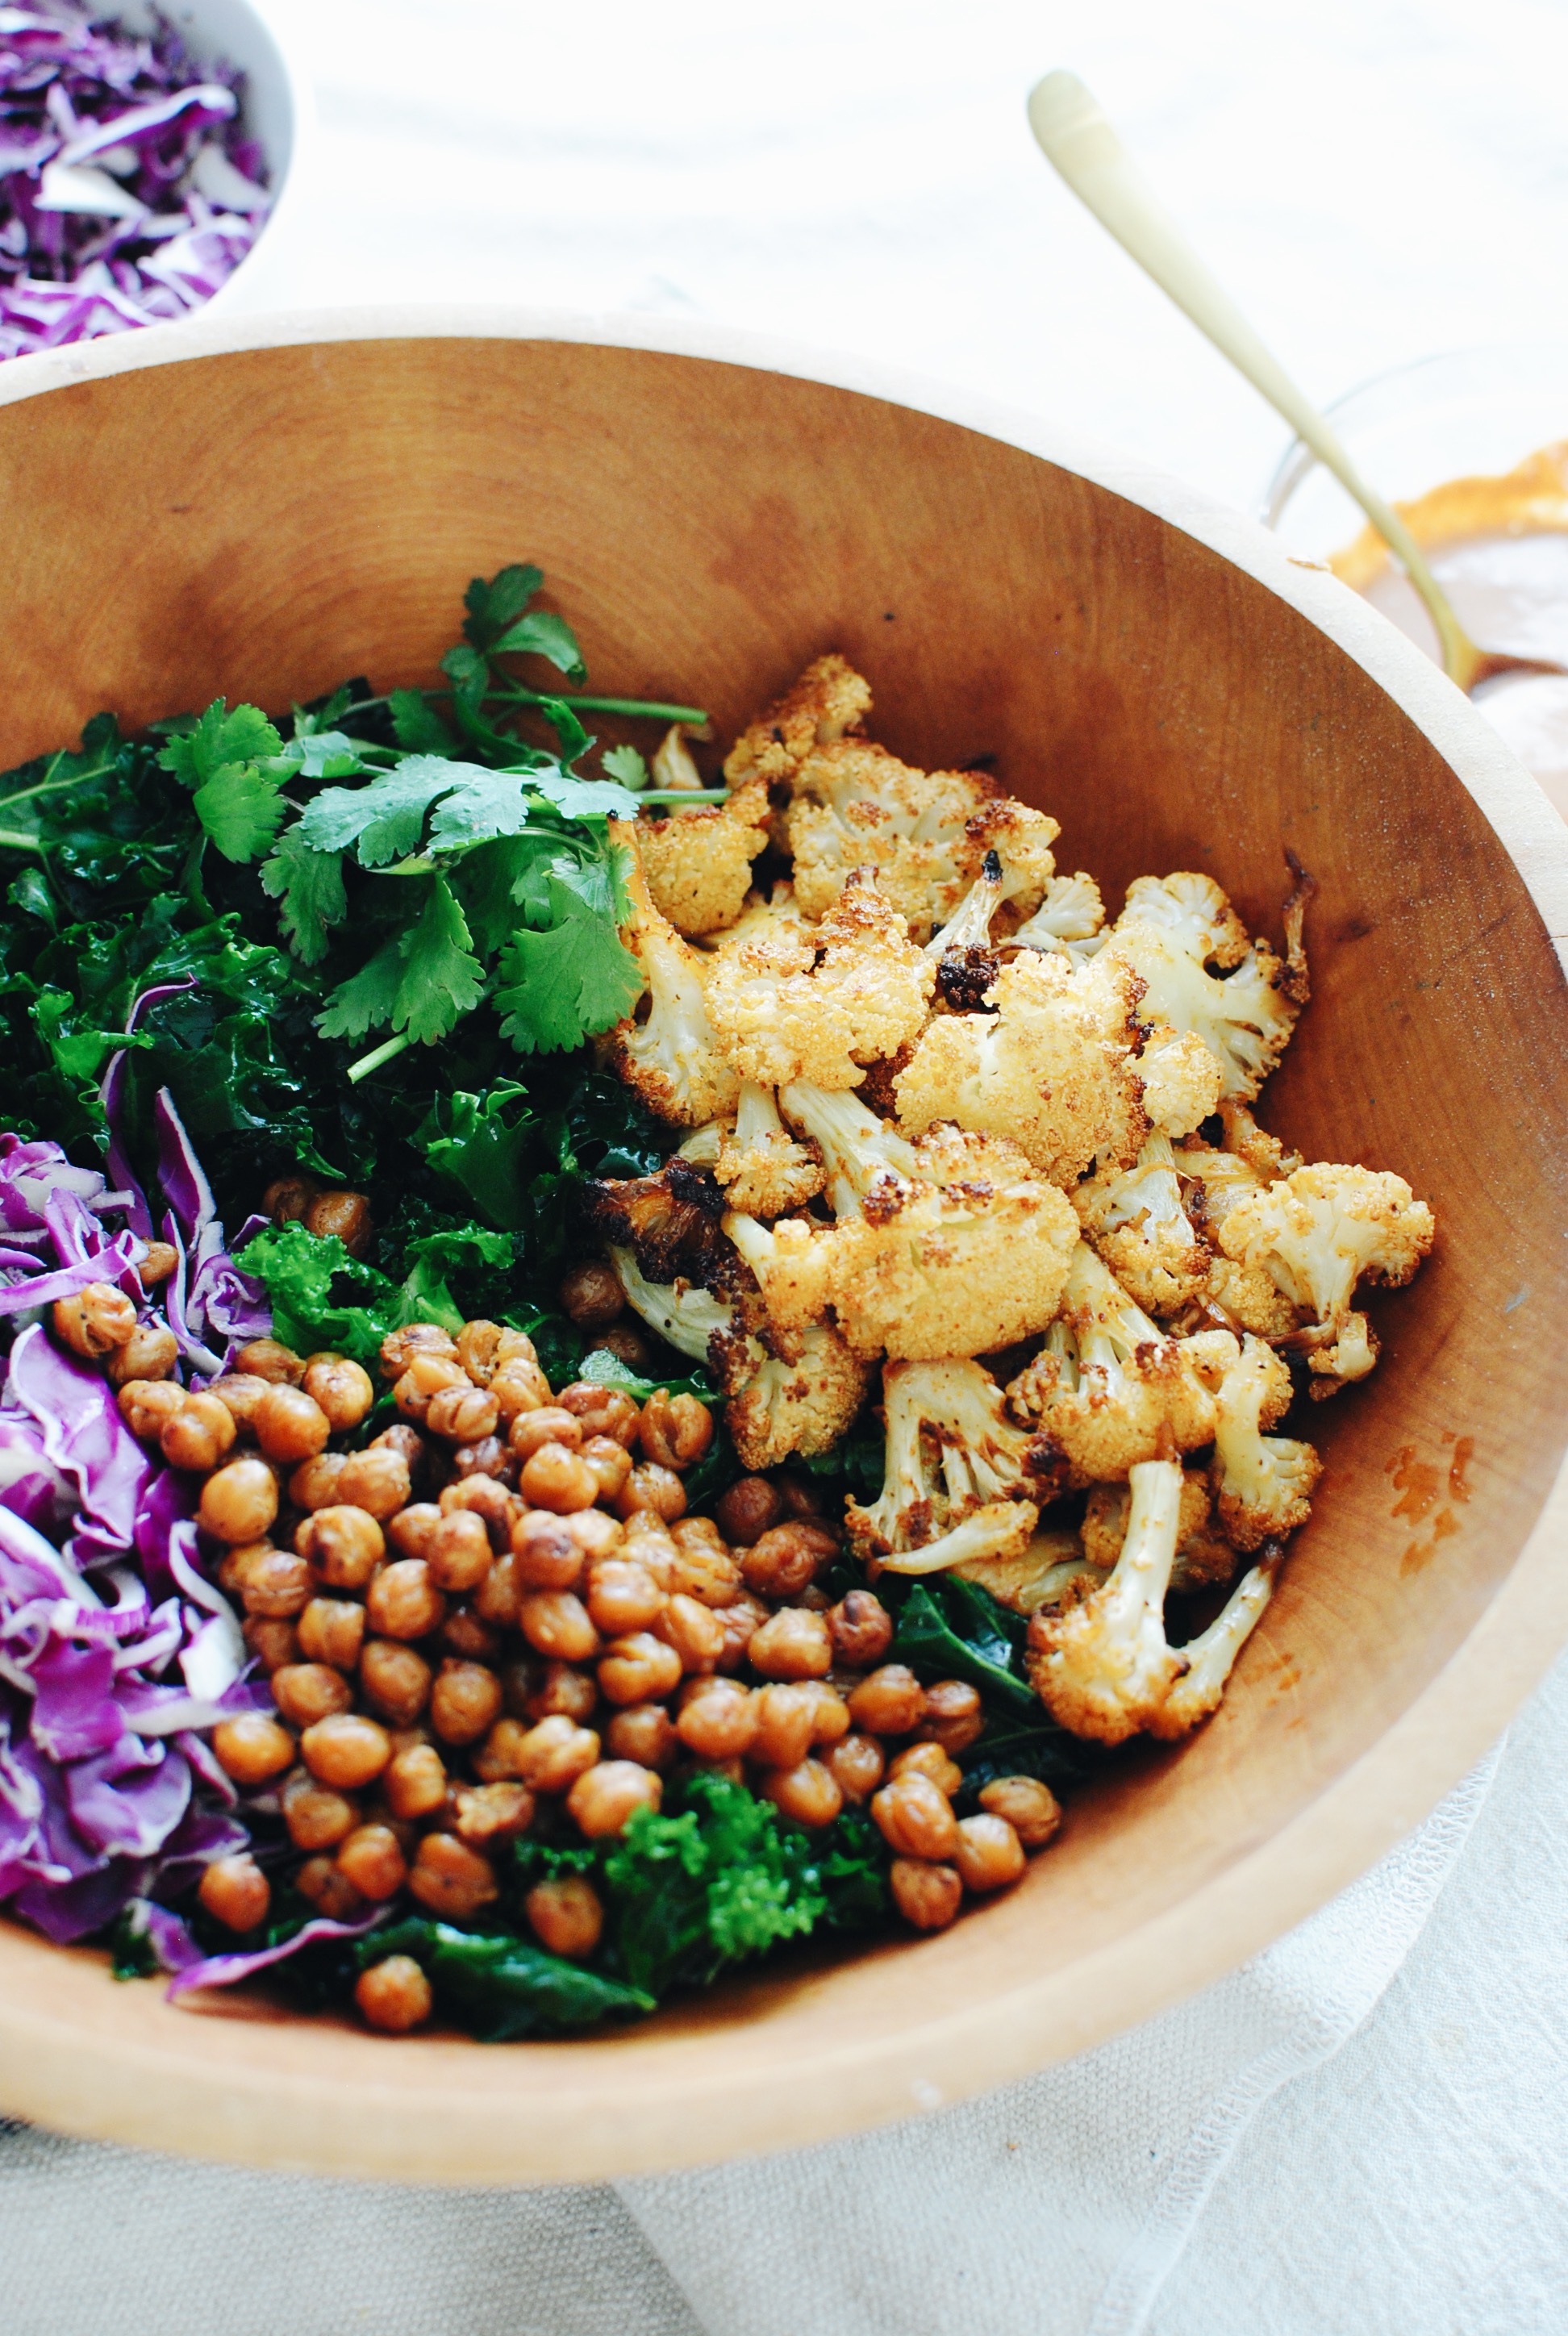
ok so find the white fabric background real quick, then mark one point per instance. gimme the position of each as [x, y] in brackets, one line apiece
[1365, 2131]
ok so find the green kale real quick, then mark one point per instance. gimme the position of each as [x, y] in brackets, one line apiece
[500, 1988]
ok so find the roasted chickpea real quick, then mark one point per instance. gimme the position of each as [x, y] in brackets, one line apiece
[239, 1564]
[318, 1817]
[832, 1722]
[556, 1478]
[453, 1880]
[234, 1892]
[407, 1441]
[591, 1296]
[799, 1494]
[639, 1668]
[289, 1425]
[644, 1540]
[547, 1555]
[485, 1498]
[650, 1486]
[479, 1346]
[331, 1893]
[747, 1510]
[862, 1630]
[159, 1263]
[604, 1798]
[889, 1701]
[414, 1782]
[314, 1482]
[1031, 1808]
[808, 1793]
[556, 1624]
[332, 1631]
[786, 1718]
[277, 1585]
[643, 1732]
[394, 1995]
[793, 1644]
[929, 1760]
[603, 1411]
[622, 1597]
[287, 1198]
[341, 1388]
[251, 1748]
[461, 1413]
[954, 1715]
[395, 1681]
[742, 1620]
[269, 1358]
[549, 1424]
[377, 1480]
[402, 1601]
[93, 1320]
[990, 1855]
[198, 1435]
[274, 1644]
[307, 1692]
[464, 1702]
[783, 1560]
[702, 1572]
[345, 1214]
[927, 1895]
[720, 1723]
[458, 1551]
[488, 1457]
[551, 1690]
[676, 1430]
[241, 1394]
[399, 1347]
[552, 1756]
[240, 1503]
[372, 1858]
[499, 1598]
[426, 1376]
[694, 1630]
[466, 1634]
[610, 1464]
[627, 1343]
[484, 1813]
[345, 1545]
[145, 1405]
[598, 1536]
[410, 1531]
[857, 1763]
[565, 1916]
[495, 1761]
[346, 1751]
[518, 1385]
[916, 1818]
[150, 1352]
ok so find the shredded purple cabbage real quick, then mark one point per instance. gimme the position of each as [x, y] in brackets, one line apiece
[129, 189]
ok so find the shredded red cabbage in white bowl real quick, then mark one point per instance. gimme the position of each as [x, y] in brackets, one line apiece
[131, 182]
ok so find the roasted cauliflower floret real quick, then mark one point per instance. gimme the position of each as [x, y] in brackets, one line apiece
[955, 1486]
[1108, 1390]
[1262, 1483]
[1182, 1079]
[828, 702]
[798, 1406]
[670, 1221]
[821, 1007]
[1015, 869]
[671, 1059]
[694, 1320]
[1050, 1571]
[1135, 1219]
[760, 1165]
[698, 861]
[1070, 920]
[1170, 932]
[1203, 1556]
[858, 1148]
[1213, 1181]
[854, 805]
[796, 1262]
[1316, 1234]
[761, 920]
[1104, 1668]
[1053, 1069]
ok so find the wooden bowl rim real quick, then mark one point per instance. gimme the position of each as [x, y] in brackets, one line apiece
[471, 2124]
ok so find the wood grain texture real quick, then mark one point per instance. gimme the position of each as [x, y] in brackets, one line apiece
[262, 521]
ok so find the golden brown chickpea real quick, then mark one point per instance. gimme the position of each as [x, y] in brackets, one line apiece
[499, 1598]
[610, 1464]
[954, 1715]
[287, 1198]
[495, 1761]
[150, 1352]
[331, 1893]
[603, 1799]
[198, 1435]
[552, 1691]
[461, 1413]
[346, 1751]
[453, 1880]
[676, 1430]
[241, 1393]
[289, 1425]
[519, 1385]
[146, 1403]
[488, 1814]
[458, 1551]
[488, 1457]
[552, 1756]
[598, 1536]
[785, 1560]
[332, 1631]
[925, 1894]
[857, 1763]
[622, 1597]
[638, 1668]
[399, 1347]
[239, 1564]
[341, 1388]
[603, 1411]
[240, 1503]
[269, 1358]
[407, 1442]
[555, 1623]
[704, 1572]
[785, 1723]
[159, 1263]
[808, 1793]
[464, 1702]
[742, 1620]
[467, 1635]
[721, 1722]
[1031, 1808]
[831, 1722]
[747, 1510]
[426, 1375]
[565, 1916]
[927, 1759]
[862, 1630]
[649, 1486]
[318, 1817]
[394, 1995]
[479, 1349]
[395, 1681]
[554, 1478]
[277, 1585]
[307, 1692]
[916, 1818]
[548, 1425]
[234, 1892]
[628, 1344]
[889, 1701]
[402, 1601]
[548, 1554]
[314, 1482]
[485, 1498]
[251, 1748]
[372, 1858]
[414, 1782]
[345, 1214]
[800, 1496]
[345, 1545]
[645, 1541]
[410, 1531]
[274, 1644]
[694, 1630]
[93, 1320]
[793, 1644]
[990, 1855]
[591, 1296]
[377, 1480]
[643, 1732]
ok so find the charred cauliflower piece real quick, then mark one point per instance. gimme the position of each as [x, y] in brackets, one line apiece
[828, 702]
[954, 1487]
[1070, 920]
[802, 1405]
[1203, 1557]
[1316, 1234]
[854, 805]
[1213, 1181]
[761, 1166]
[761, 920]
[1053, 1069]
[1014, 871]
[1262, 1483]
[694, 1320]
[1052, 1570]
[669, 1221]
[858, 1148]
[671, 1059]
[1170, 932]
[1135, 1219]
[698, 861]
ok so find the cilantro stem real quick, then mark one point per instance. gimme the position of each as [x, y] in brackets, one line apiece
[384, 1053]
[684, 795]
[13, 839]
[518, 695]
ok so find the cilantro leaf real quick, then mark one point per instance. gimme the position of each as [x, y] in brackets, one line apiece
[497, 879]
[383, 819]
[241, 809]
[583, 798]
[442, 981]
[625, 764]
[561, 984]
[486, 805]
[221, 759]
[309, 885]
[492, 606]
[368, 998]
[539, 634]
[325, 754]
[416, 725]
[218, 738]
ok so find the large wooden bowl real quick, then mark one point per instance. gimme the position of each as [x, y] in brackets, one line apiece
[261, 508]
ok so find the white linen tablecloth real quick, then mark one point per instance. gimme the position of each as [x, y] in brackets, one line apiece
[1363, 2133]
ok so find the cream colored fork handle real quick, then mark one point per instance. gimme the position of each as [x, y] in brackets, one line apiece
[1076, 136]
